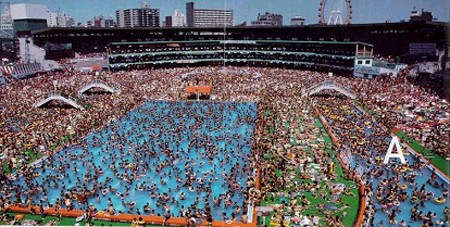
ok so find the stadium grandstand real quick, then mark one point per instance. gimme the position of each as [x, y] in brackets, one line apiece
[325, 55]
[389, 39]
[243, 126]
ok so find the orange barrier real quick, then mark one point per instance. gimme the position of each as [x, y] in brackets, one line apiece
[362, 208]
[147, 218]
[257, 180]
[200, 89]
[257, 187]
[127, 217]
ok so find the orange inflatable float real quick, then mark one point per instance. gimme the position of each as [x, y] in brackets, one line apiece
[19, 217]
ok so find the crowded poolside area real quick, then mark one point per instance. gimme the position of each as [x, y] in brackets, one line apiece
[256, 153]
[398, 194]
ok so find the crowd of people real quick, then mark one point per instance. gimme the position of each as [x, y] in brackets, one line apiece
[419, 111]
[391, 188]
[199, 153]
[25, 128]
[306, 170]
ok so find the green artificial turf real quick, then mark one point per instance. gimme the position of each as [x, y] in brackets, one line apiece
[316, 198]
[352, 212]
[33, 156]
[29, 153]
[437, 160]
[68, 221]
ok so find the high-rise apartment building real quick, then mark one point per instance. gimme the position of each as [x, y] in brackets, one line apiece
[178, 19]
[120, 18]
[59, 19]
[168, 22]
[268, 19]
[140, 17]
[208, 17]
[190, 14]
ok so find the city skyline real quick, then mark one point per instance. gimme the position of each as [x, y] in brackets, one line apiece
[247, 10]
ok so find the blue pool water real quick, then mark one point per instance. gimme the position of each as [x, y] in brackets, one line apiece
[402, 209]
[161, 148]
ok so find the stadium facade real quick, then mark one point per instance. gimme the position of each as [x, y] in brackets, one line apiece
[338, 56]
[407, 42]
[389, 39]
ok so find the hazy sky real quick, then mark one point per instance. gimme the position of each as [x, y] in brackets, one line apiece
[364, 11]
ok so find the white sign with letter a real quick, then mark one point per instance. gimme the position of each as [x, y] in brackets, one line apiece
[395, 141]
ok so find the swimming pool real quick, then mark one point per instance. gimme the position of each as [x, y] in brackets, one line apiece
[403, 209]
[153, 155]
[386, 202]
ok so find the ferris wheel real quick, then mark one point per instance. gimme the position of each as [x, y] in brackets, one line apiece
[334, 12]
